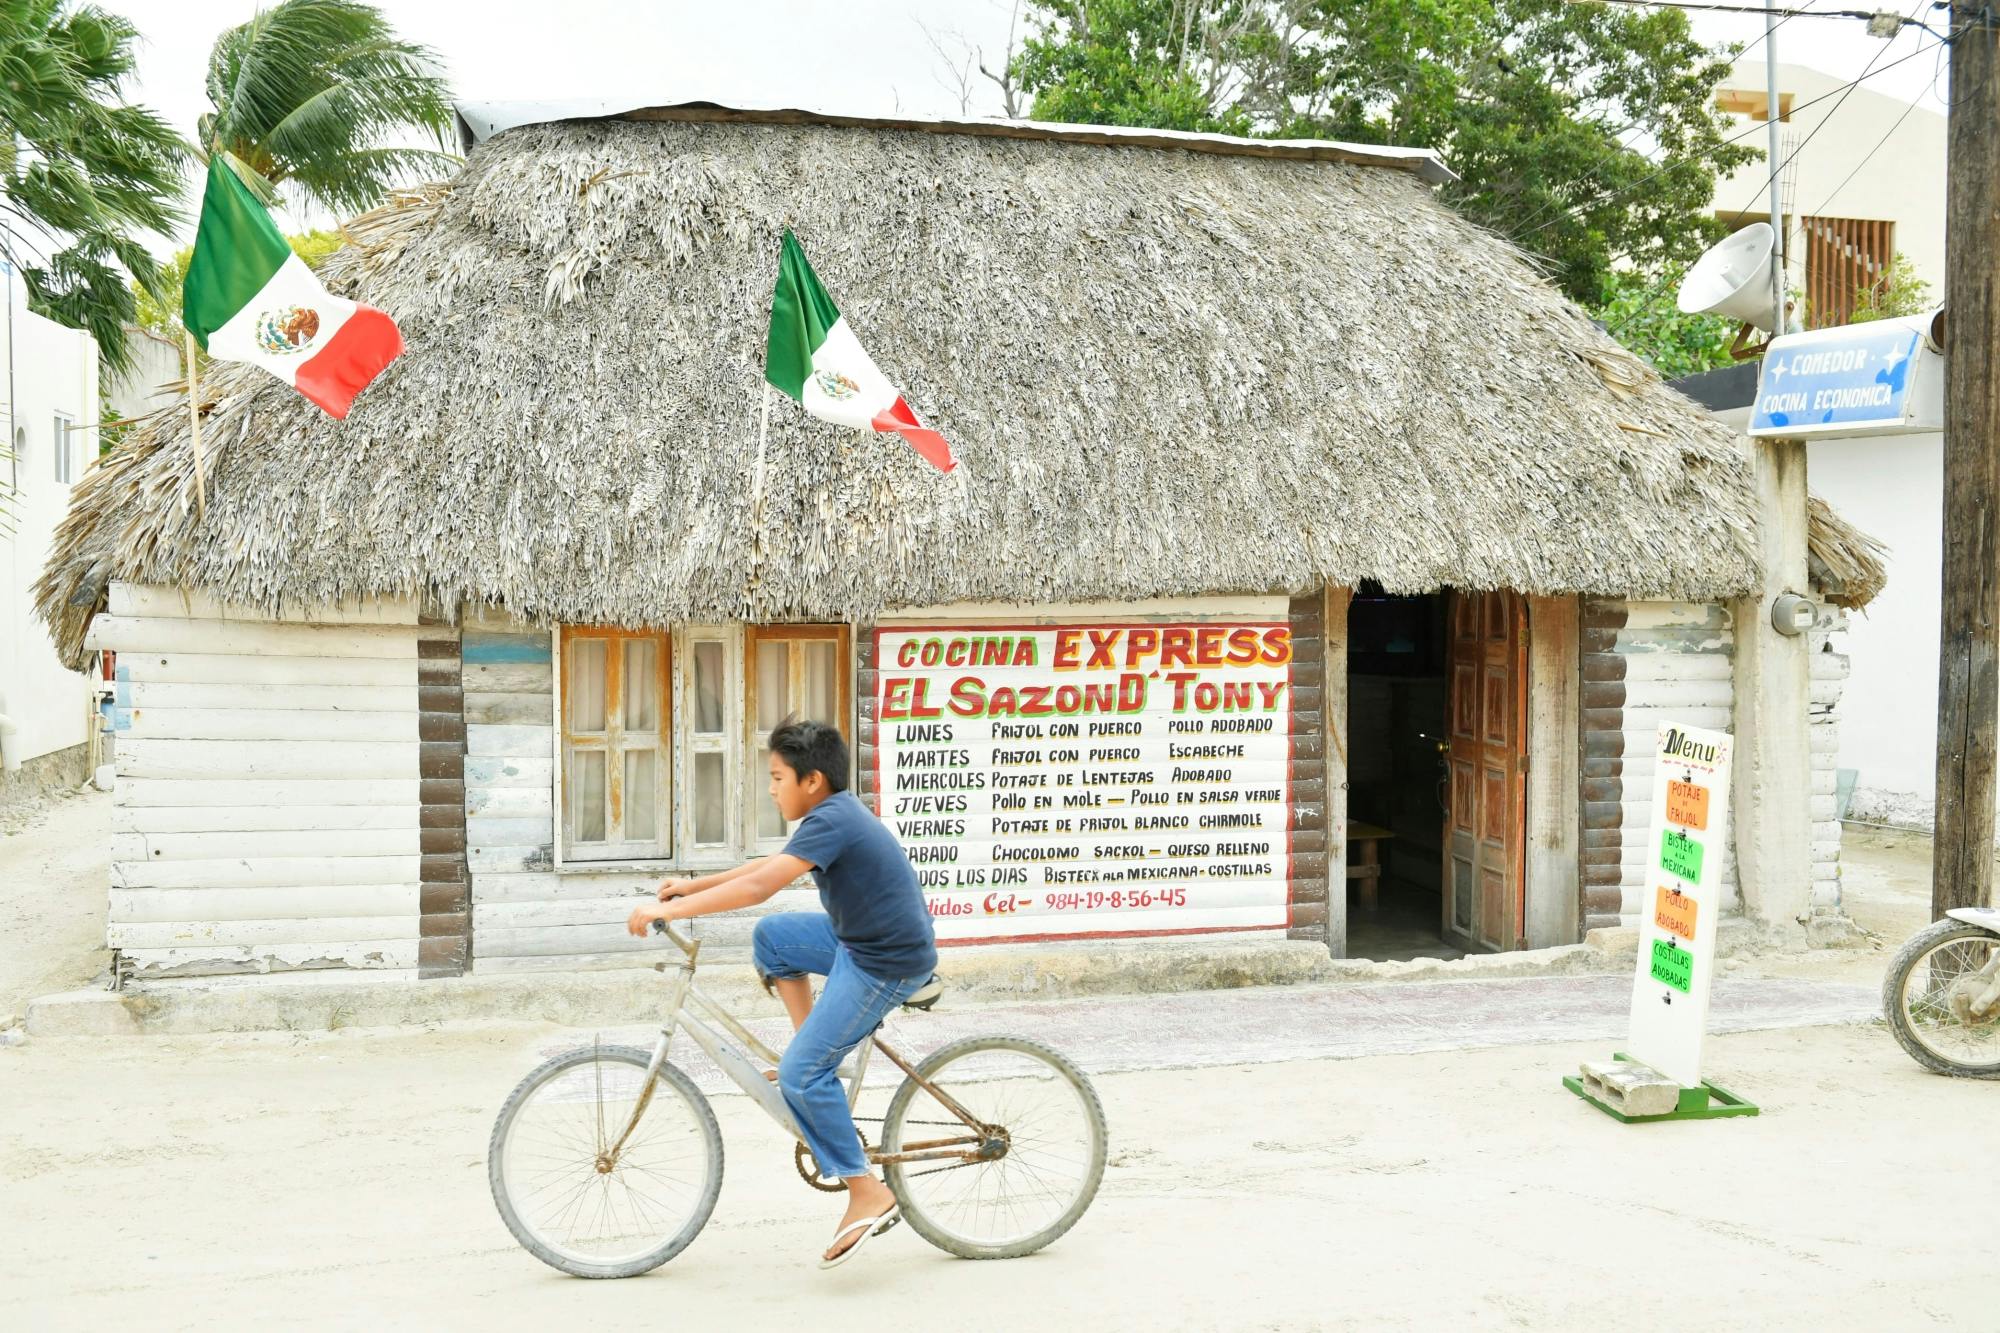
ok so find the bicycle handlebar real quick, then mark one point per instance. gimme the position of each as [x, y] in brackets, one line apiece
[686, 944]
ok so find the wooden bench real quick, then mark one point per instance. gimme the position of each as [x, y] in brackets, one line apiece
[1364, 858]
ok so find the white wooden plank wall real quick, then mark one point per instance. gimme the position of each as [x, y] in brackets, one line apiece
[266, 814]
[1677, 669]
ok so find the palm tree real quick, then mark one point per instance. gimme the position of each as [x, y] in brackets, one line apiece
[83, 174]
[305, 92]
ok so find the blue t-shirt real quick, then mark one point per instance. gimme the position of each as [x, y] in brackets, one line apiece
[867, 887]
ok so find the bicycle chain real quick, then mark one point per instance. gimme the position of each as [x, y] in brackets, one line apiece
[808, 1168]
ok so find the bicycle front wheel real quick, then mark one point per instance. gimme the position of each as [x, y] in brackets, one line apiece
[578, 1200]
[1021, 1179]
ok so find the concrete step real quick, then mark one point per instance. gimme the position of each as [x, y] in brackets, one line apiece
[329, 1000]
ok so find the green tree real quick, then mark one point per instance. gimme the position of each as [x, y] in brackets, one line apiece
[1675, 344]
[1899, 292]
[1586, 133]
[85, 175]
[305, 92]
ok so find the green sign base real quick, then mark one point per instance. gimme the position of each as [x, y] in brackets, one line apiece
[1706, 1102]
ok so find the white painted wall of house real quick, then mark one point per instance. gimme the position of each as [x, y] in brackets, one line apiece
[1903, 182]
[155, 363]
[1892, 489]
[54, 370]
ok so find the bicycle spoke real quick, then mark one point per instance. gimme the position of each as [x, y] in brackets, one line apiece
[649, 1190]
[1050, 1140]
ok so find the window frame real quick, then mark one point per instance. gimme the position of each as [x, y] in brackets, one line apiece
[755, 738]
[572, 850]
[1844, 259]
[65, 459]
[740, 743]
[729, 743]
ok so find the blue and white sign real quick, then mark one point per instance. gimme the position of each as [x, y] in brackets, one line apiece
[1879, 378]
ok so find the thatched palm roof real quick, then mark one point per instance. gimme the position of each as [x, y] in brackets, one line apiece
[1165, 373]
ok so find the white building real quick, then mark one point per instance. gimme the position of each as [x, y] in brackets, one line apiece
[1864, 180]
[148, 385]
[52, 411]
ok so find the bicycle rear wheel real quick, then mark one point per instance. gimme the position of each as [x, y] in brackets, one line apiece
[1043, 1142]
[574, 1205]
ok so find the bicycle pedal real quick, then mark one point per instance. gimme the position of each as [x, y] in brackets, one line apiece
[886, 1225]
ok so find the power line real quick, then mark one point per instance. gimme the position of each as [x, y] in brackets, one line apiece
[1840, 92]
[1872, 16]
[1653, 298]
[1597, 176]
[1862, 163]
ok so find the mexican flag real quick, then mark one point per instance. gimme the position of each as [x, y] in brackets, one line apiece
[247, 297]
[814, 356]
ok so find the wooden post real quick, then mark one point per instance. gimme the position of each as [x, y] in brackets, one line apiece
[1554, 783]
[1969, 628]
[194, 425]
[1333, 703]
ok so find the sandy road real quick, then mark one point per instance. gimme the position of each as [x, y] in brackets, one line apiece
[338, 1182]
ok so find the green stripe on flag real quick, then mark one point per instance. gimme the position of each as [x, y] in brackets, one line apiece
[237, 249]
[801, 313]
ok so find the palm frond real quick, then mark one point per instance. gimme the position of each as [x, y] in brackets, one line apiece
[308, 90]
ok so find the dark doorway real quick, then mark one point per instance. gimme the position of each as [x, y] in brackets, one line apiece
[1398, 696]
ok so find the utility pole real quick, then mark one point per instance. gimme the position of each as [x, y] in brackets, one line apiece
[1969, 628]
[1774, 162]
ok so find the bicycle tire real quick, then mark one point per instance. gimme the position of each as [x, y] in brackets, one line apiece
[898, 1174]
[1895, 996]
[668, 1077]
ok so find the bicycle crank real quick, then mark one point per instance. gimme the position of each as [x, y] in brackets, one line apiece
[808, 1167]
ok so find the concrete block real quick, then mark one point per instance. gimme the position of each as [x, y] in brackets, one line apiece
[82, 1013]
[1630, 1088]
[1615, 943]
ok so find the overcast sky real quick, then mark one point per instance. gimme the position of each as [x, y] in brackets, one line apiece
[868, 56]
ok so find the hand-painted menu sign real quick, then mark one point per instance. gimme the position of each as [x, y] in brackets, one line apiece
[1683, 899]
[1089, 779]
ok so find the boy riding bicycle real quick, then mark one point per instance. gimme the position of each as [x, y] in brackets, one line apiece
[875, 947]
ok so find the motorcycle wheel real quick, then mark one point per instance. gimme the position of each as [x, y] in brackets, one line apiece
[1917, 999]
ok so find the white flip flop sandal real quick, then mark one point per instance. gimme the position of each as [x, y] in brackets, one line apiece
[867, 1226]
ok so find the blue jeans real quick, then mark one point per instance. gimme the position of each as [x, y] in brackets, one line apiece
[851, 1006]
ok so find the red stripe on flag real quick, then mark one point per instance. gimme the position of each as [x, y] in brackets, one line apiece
[360, 349]
[900, 420]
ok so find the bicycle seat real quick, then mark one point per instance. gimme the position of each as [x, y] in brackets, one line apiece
[927, 994]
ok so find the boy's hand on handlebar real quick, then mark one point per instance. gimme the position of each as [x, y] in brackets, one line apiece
[645, 915]
[674, 888]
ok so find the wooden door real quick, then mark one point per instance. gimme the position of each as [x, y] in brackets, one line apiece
[1485, 880]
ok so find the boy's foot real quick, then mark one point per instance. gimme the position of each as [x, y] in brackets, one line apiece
[869, 1201]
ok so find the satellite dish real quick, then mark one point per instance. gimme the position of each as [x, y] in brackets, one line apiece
[1734, 278]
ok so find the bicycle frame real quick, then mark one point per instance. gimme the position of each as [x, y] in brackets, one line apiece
[691, 1010]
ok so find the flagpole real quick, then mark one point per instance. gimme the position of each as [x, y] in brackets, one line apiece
[763, 432]
[194, 424]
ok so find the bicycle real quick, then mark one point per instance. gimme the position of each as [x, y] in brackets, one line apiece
[588, 1189]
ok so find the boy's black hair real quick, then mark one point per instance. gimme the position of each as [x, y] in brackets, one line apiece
[812, 747]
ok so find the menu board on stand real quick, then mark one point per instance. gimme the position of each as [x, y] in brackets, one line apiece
[1658, 1075]
[1681, 902]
